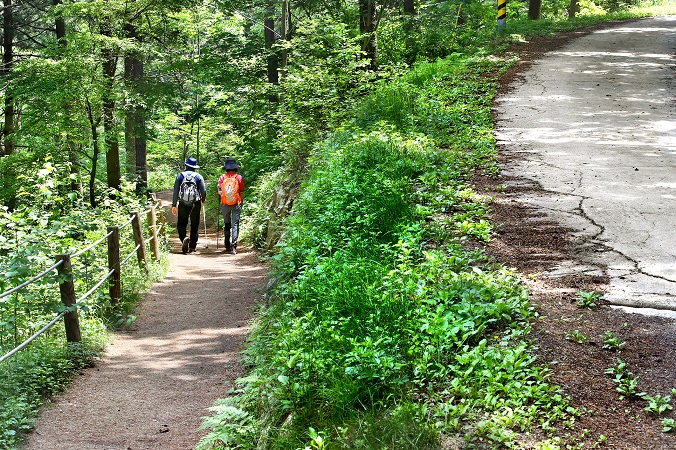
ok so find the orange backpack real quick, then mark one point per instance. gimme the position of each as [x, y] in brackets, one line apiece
[230, 190]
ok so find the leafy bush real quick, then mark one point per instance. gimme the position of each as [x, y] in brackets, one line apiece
[376, 300]
[383, 328]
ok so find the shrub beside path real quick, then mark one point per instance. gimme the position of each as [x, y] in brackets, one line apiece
[158, 380]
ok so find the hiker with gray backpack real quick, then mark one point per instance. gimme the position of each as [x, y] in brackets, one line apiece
[190, 192]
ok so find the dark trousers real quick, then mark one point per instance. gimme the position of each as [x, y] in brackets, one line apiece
[189, 212]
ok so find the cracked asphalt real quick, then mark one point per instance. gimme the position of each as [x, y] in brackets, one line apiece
[593, 124]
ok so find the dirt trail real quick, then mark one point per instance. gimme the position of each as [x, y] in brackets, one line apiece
[155, 383]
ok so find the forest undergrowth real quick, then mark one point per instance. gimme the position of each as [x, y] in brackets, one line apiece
[388, 327]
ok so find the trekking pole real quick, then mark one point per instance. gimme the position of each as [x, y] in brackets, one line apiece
[218, 226]
[204, 215]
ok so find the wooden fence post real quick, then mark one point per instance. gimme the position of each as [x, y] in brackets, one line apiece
[138, 238]
[152, 221]
[115, 284]
[67, 289]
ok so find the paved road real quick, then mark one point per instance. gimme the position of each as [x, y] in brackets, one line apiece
[593, 124]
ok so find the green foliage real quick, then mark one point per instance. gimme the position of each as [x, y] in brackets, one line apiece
[50, 221]
[377, 303]
[622, 377]
[382, 322]
[668, 425]
[40, 371]
[577, 336]
[588, 300]
[612, 342]
[658, 404]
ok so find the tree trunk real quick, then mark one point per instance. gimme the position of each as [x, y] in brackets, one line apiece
[73, 158]
[135, 135]
[7, 61]
[572, 11]
[368, 24]
[109, 125]
[273, 62]
[140, 135]
[286, 26]
[534, 9]
[129, 139]
[60, 26]
[409, 7]
[93, 124]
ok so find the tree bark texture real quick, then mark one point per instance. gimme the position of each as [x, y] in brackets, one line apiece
[112, 149]
[368, 24]
[534, 9]
[135, 133]
[273, 62]
[7, 61]
[73, 158]
[572, 11]
[94, 125]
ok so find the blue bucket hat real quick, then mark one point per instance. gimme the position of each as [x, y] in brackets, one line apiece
[192, 162]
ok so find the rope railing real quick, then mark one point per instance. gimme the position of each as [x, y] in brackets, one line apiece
[96, 286]
[25, 343]
[63, 264]
[131, 219]
[84, 250]
[122, 263]
[32, 280]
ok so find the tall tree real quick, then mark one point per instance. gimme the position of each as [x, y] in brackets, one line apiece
[270, 39]
[73, 158]
[112, 146]
[7, 62]
[572, 10]
[368, 25]
[534, 9]
[135, 122]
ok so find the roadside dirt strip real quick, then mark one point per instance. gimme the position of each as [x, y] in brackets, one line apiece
[593, 125]
[156, 382]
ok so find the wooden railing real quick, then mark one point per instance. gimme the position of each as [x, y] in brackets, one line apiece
[67, 286]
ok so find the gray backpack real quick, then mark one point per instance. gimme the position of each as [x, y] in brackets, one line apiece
[188, 192]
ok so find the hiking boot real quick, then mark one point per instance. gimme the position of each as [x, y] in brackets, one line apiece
[184, 246]
[192, 250]
[234, 250]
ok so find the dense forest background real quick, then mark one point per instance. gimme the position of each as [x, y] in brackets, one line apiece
[117, 92]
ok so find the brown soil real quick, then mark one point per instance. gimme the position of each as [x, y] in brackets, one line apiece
[533, 244]
[158, 380]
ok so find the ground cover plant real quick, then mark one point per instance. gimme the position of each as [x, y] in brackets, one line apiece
[386, 328]
[381, 313]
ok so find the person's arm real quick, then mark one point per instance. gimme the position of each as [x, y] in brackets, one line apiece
[218, 185]
[240, 179]
[203, 189]
[174, 199]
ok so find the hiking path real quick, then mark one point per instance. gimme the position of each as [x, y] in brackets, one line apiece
[155, 382]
